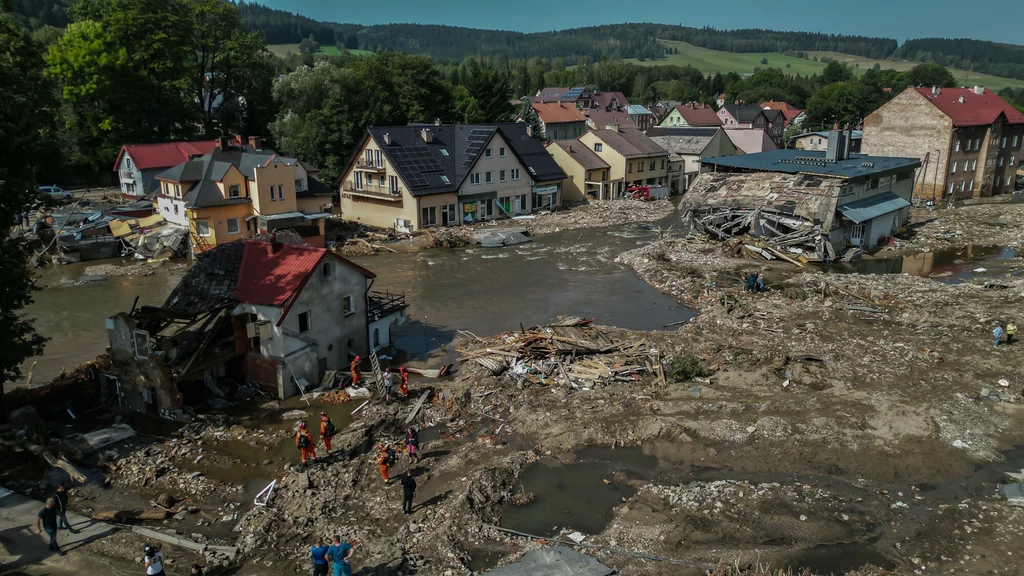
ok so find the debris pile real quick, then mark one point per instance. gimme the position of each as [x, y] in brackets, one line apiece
[599, 213]
[999, 224]
[450, 237]
[570, 353]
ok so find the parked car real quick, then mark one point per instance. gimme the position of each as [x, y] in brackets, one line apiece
[57, 193]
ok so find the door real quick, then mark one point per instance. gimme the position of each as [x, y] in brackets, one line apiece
[506, 204]
[857, 235]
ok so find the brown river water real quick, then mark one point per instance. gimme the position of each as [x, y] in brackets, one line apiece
[483, 290]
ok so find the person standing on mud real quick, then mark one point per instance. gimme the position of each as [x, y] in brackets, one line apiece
[327, 431]
[339, 553]
[408, 491]
[412, 444]
[357, 375]
[403, 388]
[382, 462]
[304, 440]
[61, 496]
[997, 334]
[47, 520]
[319, 553]
[1011, 331]
[389, 382]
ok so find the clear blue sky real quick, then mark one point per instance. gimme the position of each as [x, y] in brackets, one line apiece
[997, 20]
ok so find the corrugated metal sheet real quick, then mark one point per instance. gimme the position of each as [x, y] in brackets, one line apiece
[873, 207]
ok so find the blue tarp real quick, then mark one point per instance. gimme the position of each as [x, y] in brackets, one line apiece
[872, 207]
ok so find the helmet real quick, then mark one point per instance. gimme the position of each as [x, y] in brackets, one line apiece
[402, 370]
[323, 413]
[302, 424]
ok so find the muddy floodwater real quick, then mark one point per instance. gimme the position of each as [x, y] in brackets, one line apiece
[476, 289]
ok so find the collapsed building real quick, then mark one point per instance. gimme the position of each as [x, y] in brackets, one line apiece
[809, 204]
[269, 317]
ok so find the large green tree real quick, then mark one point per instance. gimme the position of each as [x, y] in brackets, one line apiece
[840, 103]
[25, 113]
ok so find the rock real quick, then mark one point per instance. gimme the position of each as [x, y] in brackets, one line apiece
[413, 527]
[751, 429]
[165, 500]
[960, 444]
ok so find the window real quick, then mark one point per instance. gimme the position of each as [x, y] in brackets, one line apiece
[449, 217]
[348, 304]
[977, 143]
[952, 168]
[598, 147]
[444, 152]
[445, 179]
[428, 217]
[970, 185]
[974, 165]
[515, 173]
[487, 153]
[357, 180]
[501, 151]
[128, 159]
[202, 227]
[369, 157]
[474, 178]
[950, 188]
[175, 209]
[1013, 160]
[233, 226]
[662, 163]
[298, 186]
[501, 176]
[629, 169]
[393, 185]
[272, 197]
[1000, 160]
[305, 322]
[380, 179]
[521, 203]
[380, 159]
[652, 165]
[1014, 143]
[234, 191]
[604, 175]
[487, 177]
[640, 166]
[325, 270]
[956, 145]
[963, 185]
[1004, 143]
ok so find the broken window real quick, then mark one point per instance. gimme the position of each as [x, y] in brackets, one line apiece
[326, 270]
[304, 322]
[348, 304]
[141, 344]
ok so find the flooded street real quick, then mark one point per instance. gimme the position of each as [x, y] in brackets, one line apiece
[476, 289]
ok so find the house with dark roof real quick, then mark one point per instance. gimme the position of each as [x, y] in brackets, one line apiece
[812, 204]
[239, 190]
[633, 160]
[277, 315]
[138, 164]
[969, 140]
[558, 120]
[691, 114]
[585, 170]
[611, 100]
[419, 176]
[742, 116]
[600, 118]
[687, 146]
[793, 114]
[820, 141]
[578, 96]
[641, 116]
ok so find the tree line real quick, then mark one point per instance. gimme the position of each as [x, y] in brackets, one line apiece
[1006, 60]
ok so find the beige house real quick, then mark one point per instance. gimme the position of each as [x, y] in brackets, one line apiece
[633, 160]
[419, 176]
[584, 168]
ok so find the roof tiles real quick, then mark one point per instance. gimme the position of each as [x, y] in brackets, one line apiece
[165, 154]
[965, 107]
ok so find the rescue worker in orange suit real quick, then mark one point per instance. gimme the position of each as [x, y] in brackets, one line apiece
[304, 440]
[382, 462]
[403, 388]
[357, 375]
[327, 431]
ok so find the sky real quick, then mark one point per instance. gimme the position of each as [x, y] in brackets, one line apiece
[996, 20]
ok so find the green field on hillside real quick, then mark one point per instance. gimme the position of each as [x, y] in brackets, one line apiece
[282, 50]
[711, 61]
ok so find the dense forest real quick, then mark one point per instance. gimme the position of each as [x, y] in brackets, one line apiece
[757, 40]
[1006, 60]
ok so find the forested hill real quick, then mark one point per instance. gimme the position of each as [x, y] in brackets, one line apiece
[1006, 60]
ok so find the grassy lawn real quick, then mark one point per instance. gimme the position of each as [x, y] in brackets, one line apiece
[711, 61]
[282, 50]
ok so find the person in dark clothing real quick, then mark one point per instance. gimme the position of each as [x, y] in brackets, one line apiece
[47, 520]
[197, 570]
[412, 444]
[751, 282]
[61, 496]
[408, 491]
[319, 552]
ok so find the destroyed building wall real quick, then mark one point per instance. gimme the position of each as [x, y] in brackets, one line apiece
[144, 380]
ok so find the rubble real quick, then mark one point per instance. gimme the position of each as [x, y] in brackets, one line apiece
[997, 224]
[599, 213]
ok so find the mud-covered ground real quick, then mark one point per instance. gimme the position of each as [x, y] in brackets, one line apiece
[841, 420]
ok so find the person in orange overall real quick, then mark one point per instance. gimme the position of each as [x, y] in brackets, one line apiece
[327, 431]
[382, 462]
[304, 440]
[357, 375]
[403, 388]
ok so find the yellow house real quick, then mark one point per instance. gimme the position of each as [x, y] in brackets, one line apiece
[418, 176]
[239, 190]
[586, 170]
[632, 157]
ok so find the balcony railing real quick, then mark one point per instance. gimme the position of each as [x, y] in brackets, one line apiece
[362, 165]
[383, 303]
[373, 191]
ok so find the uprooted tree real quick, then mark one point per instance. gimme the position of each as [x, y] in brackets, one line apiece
[23, 130]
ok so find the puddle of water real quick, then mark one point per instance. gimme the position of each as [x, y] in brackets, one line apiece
[953, 265]
[576, 495]
[487, 555]
[837, 559]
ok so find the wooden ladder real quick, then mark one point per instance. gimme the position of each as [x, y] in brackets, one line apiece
[378, 376]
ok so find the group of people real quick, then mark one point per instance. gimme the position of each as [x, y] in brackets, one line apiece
[54, 516]
[1010, 331]
[338, 554]
[386, 455]
[388, 377]
[755, 282]
[304, 440]
[153, 558]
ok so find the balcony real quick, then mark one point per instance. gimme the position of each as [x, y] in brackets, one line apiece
[373, 191]
[126, 175]
[363, 166]
[382, 304]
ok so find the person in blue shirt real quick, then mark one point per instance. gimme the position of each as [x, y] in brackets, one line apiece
[339, 553]
[319, 552]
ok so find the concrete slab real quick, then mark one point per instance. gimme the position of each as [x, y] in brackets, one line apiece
[108, 436]
[557, 561]
[1014, 494]
[500, 237]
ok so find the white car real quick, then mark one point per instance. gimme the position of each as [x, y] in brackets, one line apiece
[57, 193]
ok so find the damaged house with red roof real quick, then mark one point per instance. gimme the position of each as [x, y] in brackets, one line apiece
[249, 317]
[138, 164]
[968, 140]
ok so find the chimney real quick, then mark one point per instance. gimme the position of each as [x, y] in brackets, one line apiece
[849, 142]
[427, 135]
[614, 126]
[833, 153]
[529, 130]
[387, 139]
[254, 141]
[437, 121]
[936, 91]
[979, 90]
[222, 143]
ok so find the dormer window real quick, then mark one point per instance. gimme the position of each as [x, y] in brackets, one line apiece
[444, 152]
[234, 191]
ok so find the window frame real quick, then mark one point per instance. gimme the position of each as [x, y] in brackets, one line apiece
[238, 225]
[598, 147]
[515, 174]
[501, 152]
[501, 176]
[199, 228]
[234, 191]
[428, 216]
[308, 315]
[487, 153]
[488, 178]
[348, 305]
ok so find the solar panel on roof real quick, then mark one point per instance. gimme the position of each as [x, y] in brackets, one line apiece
[572, 94]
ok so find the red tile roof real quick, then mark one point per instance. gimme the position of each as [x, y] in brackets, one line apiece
[164, 155]
[274, 274]
[555, 112]
[792, 114]
[773, 105]
[605, 99]
[698, 115]
[975, 109]
[601, 118]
